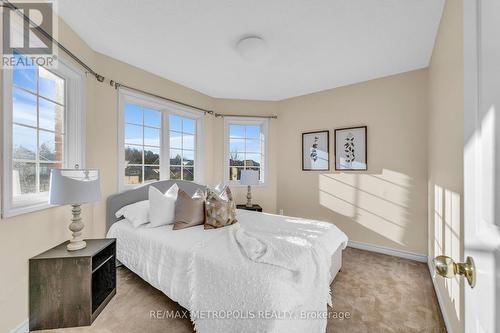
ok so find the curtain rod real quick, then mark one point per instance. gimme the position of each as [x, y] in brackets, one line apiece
[117, 85]
[243, 116]
[98, 77]
[45, 34]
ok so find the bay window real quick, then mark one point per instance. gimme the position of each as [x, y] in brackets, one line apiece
[157, 140]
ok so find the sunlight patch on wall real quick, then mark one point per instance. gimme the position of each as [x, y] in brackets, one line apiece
[378, 202]
[447, 231]
[334, 203]
[390, 185]
[395, 178]
[438, 220]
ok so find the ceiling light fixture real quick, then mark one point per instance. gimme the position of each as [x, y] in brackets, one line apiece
[252, 48]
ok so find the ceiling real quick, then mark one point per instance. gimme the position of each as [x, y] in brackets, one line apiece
[309, 45]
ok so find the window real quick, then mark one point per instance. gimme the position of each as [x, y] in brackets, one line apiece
[158, 140]
[142, 144]
[37, 129]
[182, 133]
[42, 131]
[245, 141]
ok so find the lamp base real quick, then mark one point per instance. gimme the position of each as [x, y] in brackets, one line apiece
[78, 245]
[76, 226]
[249, 197]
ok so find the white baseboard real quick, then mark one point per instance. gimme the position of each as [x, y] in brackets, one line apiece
[440, 300]
[388, 251]
[23, 327]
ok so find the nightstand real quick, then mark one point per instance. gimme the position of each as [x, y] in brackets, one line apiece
[71, 288]
[255, 208]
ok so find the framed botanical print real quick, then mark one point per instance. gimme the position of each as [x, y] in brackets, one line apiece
[351, 148]
[316, 151]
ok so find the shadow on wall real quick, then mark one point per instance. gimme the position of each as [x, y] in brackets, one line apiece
[378, 202]
[447, 239]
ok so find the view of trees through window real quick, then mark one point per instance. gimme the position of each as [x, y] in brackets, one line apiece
[38, 111]
[143, 132]
[182, 131]
[142, 144]
[245, 149]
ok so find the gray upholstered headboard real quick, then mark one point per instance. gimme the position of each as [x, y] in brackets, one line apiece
[117, 201]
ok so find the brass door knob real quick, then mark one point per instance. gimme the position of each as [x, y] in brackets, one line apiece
[446, 267]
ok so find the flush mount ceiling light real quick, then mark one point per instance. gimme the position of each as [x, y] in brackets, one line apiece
[252, 48]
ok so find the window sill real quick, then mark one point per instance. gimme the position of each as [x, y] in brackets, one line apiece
[238, 185]
[25, 209]
[124, 188]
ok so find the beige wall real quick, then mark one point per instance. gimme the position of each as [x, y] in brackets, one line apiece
[386, 205]
[446, 133]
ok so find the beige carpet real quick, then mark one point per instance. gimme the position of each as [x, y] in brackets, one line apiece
[381, 294]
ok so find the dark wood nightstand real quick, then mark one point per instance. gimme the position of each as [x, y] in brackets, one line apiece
[70, 288]
[255, 208]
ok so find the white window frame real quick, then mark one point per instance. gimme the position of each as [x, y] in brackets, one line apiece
[264, 126]
[74, 144]
[166, 108]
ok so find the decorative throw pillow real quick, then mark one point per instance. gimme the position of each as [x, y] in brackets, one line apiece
[137, 213]
[220, 209]
[162, 206]
[189, 211]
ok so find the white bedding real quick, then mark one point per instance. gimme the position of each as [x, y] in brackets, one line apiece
[158, 255]
[163, 257]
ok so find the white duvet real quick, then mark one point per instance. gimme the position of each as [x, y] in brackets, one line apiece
[268, 273]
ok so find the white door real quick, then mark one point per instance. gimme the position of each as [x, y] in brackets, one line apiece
[482, 162]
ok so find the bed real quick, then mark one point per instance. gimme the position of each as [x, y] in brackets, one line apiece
[181, 263]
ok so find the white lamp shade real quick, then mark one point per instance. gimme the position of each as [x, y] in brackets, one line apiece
[74, 186]
[249, 177]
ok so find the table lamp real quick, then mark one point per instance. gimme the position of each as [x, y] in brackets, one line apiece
[74, 187]
[249, 178]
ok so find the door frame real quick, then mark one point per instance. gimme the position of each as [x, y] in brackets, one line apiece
[481, 167]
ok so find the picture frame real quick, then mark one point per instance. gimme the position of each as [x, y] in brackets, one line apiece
[351, 149]
[316, 151]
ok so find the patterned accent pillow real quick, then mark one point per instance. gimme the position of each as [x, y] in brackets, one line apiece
[220, 209]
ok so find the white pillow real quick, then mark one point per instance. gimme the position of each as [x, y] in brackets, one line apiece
[137, 213]
[162, 206]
